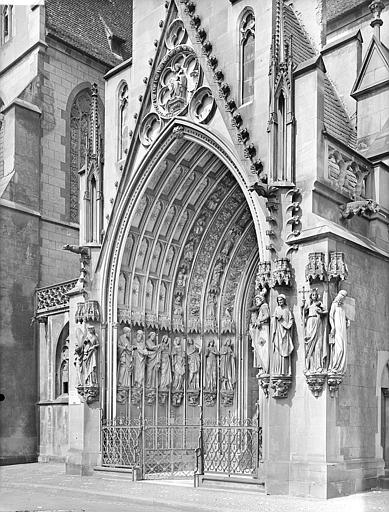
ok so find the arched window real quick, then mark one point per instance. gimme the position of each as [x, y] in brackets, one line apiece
[281, 138]
[79, 131]
[62, 363]
[247, 55]
[123, 121]
[6, 23]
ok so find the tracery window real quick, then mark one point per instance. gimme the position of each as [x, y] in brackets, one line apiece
[6, 23]
[247, 55]
[79, 130]
[123, 121]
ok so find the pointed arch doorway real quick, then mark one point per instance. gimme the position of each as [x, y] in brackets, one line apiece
[182, 266]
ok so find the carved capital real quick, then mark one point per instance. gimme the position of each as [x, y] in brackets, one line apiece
[227, 397]
[122, 394]
[136, 395]
[193, 397]
[150, 395]
[177, 397]
[264, 381]
[209, 398]
[162, 397]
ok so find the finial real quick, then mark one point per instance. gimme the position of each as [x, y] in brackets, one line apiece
[376, 7]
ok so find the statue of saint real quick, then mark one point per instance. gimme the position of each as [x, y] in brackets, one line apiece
[193, 355]
[227, 366]
[314, 336]
[211, 355]
[338, 334]
[281, 337]
[124, 359]
[259, 332]
[89, 358]
[165, 364]
[178, 314]
[178, 84]
[178, 364]
[153, 360]
[140, 354]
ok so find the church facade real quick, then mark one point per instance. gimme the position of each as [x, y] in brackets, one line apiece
[229, 315]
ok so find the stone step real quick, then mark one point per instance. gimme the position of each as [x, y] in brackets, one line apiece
[117, 472]
[230, 482]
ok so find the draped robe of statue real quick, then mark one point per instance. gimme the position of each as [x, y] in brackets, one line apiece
[259, 333]
[281, 337]
[193, 355]
[124, 360]
[152, 362]
[227, 366]
[140, 355]
[90, 357]
[166, 367]
[315, 345]
[178, 365]
[338, 335]
[211, 367]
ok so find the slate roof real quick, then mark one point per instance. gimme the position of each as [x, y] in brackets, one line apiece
[336, 120]
[82, 24]
[336, 8]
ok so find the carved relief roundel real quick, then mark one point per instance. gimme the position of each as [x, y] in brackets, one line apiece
[176, 79]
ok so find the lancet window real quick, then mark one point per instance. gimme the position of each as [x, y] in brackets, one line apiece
[62, 366]
[6, 23]
[247, 55]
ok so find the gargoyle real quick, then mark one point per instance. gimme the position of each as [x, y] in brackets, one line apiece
[367, 206]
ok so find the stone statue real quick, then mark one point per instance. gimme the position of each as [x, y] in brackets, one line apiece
[211, 355]
[314, 334]
[178, 314]
[140, 354]
[178, 84]
[193, 355]
[165, 364]
[338, 335]
[282, 338]
[89, 358]
[178, 364]
[227, 366]
[259, 332]
[153, 360]
[125, 363]
[78, 357]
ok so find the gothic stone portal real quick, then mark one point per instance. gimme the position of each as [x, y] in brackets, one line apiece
[184, 293]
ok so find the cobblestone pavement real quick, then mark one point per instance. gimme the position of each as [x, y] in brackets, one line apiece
[46, 488]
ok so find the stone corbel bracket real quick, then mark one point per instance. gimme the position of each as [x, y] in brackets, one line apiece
[315, 270]
[88, 394]
[316, 382]
[364, 207]
[264, 381]
[280, 385]
[333, 381]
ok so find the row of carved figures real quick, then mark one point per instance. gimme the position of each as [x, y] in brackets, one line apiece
[165, 367]
[272, 339]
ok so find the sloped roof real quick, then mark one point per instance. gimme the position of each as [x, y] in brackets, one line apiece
[301, 46]
[337, 8]
[82, 24]
[336, 119]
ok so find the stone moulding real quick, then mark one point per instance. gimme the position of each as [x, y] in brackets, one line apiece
[88, 394]
[334, 380]
[280, 385]
[315, 382]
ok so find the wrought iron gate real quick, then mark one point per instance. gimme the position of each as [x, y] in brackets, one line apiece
[229, 447]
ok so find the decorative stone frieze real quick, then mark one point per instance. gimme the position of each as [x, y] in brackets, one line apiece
[53, 298]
